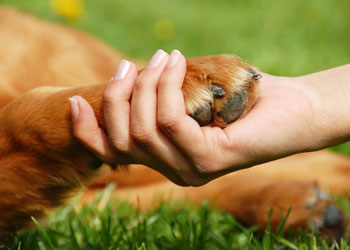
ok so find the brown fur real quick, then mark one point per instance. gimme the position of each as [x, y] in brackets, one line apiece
[41, 163]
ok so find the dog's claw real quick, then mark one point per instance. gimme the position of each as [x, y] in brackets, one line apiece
[255, 74]
[217, 91]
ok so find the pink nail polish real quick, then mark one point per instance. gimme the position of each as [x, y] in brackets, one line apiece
[74, 108]
[122, 70]
[174, 58]
[156, 59]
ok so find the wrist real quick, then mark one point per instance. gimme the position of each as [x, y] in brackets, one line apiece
[329, 95]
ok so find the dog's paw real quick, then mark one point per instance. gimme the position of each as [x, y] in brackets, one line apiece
[311, 208]
[325, 217]
[219, 89]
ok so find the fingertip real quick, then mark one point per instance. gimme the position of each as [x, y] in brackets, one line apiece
[83, 116]
[79, 107]
[158, 59]
[121, 86]
[87, 131]
[79, 99]
[133, 67]
[176, 58]
[124, 68]
[74, 106]
[173, 77]
[170, 95]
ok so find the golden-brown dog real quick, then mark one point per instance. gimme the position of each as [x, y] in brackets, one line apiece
[41, 163]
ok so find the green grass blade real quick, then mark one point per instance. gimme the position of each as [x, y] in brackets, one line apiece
[19, 245]
[267, 240]
[288, 243]
[280, 229]
[43, 232]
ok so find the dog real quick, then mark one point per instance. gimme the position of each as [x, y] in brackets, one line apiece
[42, 164]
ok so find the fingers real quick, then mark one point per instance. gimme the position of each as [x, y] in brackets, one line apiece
[116, 106]
[119, 147]
[171, 116]
[87, 130]
[144, 128]
[135, 125]
[199, 145]
[144, 98]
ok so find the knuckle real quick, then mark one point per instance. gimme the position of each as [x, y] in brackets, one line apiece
[199, 182]
[140, 83]
[140, 134]
[203, 171]
[202, 174]
[119, 144]
[167, 121]
[195, 177]
[195, 180]
[109, 99]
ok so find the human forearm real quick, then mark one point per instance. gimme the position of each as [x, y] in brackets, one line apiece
[330, 103]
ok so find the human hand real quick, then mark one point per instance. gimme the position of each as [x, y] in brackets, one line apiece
[291, 115]
[127, 138]
[172, 143]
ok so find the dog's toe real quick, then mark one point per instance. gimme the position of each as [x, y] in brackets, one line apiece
[334, 223]
[326, 218]
[203, 115]
[234, 107]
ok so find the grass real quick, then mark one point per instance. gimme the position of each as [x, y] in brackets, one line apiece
[175, 226]
[280, 37]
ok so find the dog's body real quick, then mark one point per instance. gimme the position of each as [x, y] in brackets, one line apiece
[41, 162]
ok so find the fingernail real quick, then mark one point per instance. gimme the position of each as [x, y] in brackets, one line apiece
[156, 59]
[174, 57]
[122, 70]
[74, 108]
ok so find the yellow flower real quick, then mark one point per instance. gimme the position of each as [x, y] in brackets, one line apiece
[164, 29]
[68, 9]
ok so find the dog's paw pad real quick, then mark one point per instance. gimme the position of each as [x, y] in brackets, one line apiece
[333, 217]
[234, 107]
[203, 115]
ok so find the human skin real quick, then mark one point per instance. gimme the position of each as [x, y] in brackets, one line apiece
[291, 115]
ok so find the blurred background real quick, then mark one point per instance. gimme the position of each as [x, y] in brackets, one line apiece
[280, 37]
[288, 37]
